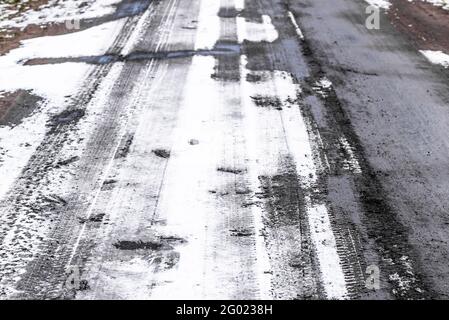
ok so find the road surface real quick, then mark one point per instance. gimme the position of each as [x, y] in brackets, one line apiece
[221, 149]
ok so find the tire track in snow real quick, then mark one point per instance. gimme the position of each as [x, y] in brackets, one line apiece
[54, 242]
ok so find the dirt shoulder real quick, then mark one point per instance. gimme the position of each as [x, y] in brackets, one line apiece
[424, 23]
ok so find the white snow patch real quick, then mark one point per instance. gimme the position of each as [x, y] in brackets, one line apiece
[239, 5]
[256, 32]
[322, 86]
[208, 25]
[383, 4]
[440, 3]
[352, 163]
[324, 240]
[436, 57]
[295, 24]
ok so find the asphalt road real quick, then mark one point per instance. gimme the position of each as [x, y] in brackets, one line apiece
[263, 149]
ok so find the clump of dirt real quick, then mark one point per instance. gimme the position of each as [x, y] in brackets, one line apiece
[84, 285]
[269, 102]
[67, 117]
[193, 142]
[162, 153]
[160, 243]
[95, 218]
[68, 161]
[108, 184]
[125, 146]
[172, 239]
[55, 199]
[254, 78]
[228, 12]
[241, 233]
[136, 245]
[16, 106]
[231, 170]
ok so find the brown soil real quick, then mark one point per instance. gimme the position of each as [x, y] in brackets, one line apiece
[6, 102]
[17, 105]
[426, 24]
[11, 38]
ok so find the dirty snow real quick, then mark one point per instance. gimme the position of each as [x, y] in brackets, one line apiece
[57, 12]
[65, 78]
[21, 141]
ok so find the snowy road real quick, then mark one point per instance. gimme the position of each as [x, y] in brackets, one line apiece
[224, 149]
